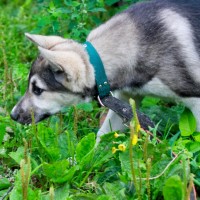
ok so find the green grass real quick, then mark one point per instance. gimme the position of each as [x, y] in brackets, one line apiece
[57, 159]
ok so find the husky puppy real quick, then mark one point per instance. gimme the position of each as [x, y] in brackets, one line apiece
[152, 48]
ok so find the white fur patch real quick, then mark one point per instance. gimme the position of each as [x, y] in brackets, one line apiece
[52, 102]
[39, 83]
[117, 51]
[99, 31]
[181, 29]
[156, 87]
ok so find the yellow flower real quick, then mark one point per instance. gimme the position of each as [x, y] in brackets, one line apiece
[116, 135]
[138, 128]
[114, 150]
[122, 147]
[134, 140]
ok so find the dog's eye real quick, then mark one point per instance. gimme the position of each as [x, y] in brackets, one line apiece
[36, 90]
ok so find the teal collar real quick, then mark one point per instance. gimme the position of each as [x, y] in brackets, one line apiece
[103, 86]
[123, 109]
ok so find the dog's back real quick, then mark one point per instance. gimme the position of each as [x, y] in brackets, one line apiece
[156, 39]
[153, 48]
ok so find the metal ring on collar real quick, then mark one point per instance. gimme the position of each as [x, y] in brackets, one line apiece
[99, 100]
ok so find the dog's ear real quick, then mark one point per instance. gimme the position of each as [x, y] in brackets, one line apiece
[54, 57]
[60, 63]
[46, 42]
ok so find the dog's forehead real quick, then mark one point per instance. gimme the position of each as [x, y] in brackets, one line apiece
[42, 70]
[40, 64]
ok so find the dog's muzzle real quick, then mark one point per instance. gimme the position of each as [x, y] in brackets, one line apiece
[24, 117]
[20, 116]
[14, 116]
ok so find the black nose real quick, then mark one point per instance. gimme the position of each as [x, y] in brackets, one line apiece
[14, 116]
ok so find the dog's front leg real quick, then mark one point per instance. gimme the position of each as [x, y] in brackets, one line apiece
[112, 123]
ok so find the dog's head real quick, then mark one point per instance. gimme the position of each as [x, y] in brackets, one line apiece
[59, 77]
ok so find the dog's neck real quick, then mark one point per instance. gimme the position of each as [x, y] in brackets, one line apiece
[111, 44]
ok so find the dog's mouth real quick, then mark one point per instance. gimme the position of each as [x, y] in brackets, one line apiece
[26, 120]
[45, 116]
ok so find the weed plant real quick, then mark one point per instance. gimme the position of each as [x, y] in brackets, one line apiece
[57, 159]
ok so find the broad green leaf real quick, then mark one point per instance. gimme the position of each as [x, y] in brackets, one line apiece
[109, 173]
[85, 148]
[87, 107]
[63, 10]
[150, 101]
[193, 146]
[111, 2]
[18, 155]
[97, 10]
[125, 162]
[76, 3]
[59, 171]
[73, 3]
[55, 169]
[103, 153]
[48, 142]
[62, 192]
[51, 5]
[3, 192]
[17, 194]
[66, 143]
[159, 165]
[174, 169]
[105, 197]
[66, 176]
[52, 151]
[4, 183]
[196, 136]
[187, 123]
[115, 189]
[44, 21]
[173, 189]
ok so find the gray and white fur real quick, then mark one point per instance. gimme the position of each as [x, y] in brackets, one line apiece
[152, 48]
